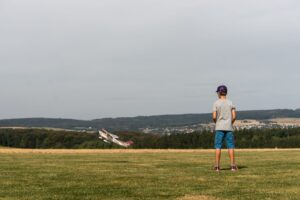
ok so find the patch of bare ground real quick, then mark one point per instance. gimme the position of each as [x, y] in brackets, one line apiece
[104, 151]
[197, 197]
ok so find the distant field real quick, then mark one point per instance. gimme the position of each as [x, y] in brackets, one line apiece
[147, 174]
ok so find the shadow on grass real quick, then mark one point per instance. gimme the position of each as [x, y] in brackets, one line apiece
[240, 167]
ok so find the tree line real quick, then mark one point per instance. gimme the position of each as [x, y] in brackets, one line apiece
[41, 138]
[253, 138]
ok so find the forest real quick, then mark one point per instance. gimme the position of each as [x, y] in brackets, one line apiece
[43, 139]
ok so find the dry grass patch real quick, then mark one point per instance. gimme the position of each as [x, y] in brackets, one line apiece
[4, 150]
[97, 151]
[197, 197]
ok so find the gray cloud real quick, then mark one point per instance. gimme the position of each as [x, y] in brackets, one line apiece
[92, 59]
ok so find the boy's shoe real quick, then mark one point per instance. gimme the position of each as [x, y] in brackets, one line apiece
[234, 168]
[217, 168]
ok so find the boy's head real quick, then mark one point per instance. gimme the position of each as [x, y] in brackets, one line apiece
[222, 90]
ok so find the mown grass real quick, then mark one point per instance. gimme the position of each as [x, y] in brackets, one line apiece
[149, 175]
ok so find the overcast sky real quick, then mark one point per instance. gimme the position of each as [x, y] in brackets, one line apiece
[111, 58]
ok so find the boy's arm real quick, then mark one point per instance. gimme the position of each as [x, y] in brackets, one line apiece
[214, 115]
[233, 112]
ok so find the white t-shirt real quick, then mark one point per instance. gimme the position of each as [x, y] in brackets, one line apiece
[224, 108]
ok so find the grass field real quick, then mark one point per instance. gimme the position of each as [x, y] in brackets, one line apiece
[147, 174]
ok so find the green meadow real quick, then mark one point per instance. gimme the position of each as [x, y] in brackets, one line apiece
[179, 175]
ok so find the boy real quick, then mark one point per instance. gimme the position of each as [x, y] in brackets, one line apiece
[224, 115]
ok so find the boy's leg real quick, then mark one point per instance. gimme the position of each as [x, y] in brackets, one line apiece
[232, 157]
[219, 136]
[230, 146]
[218, 157]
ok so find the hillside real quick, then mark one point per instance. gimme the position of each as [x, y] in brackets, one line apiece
[136, 123]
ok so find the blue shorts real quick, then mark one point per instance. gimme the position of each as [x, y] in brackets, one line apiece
[220, 136]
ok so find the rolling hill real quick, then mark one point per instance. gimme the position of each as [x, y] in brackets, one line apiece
[136, 123]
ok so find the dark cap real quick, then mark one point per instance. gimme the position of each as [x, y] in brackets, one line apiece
[222, 89]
